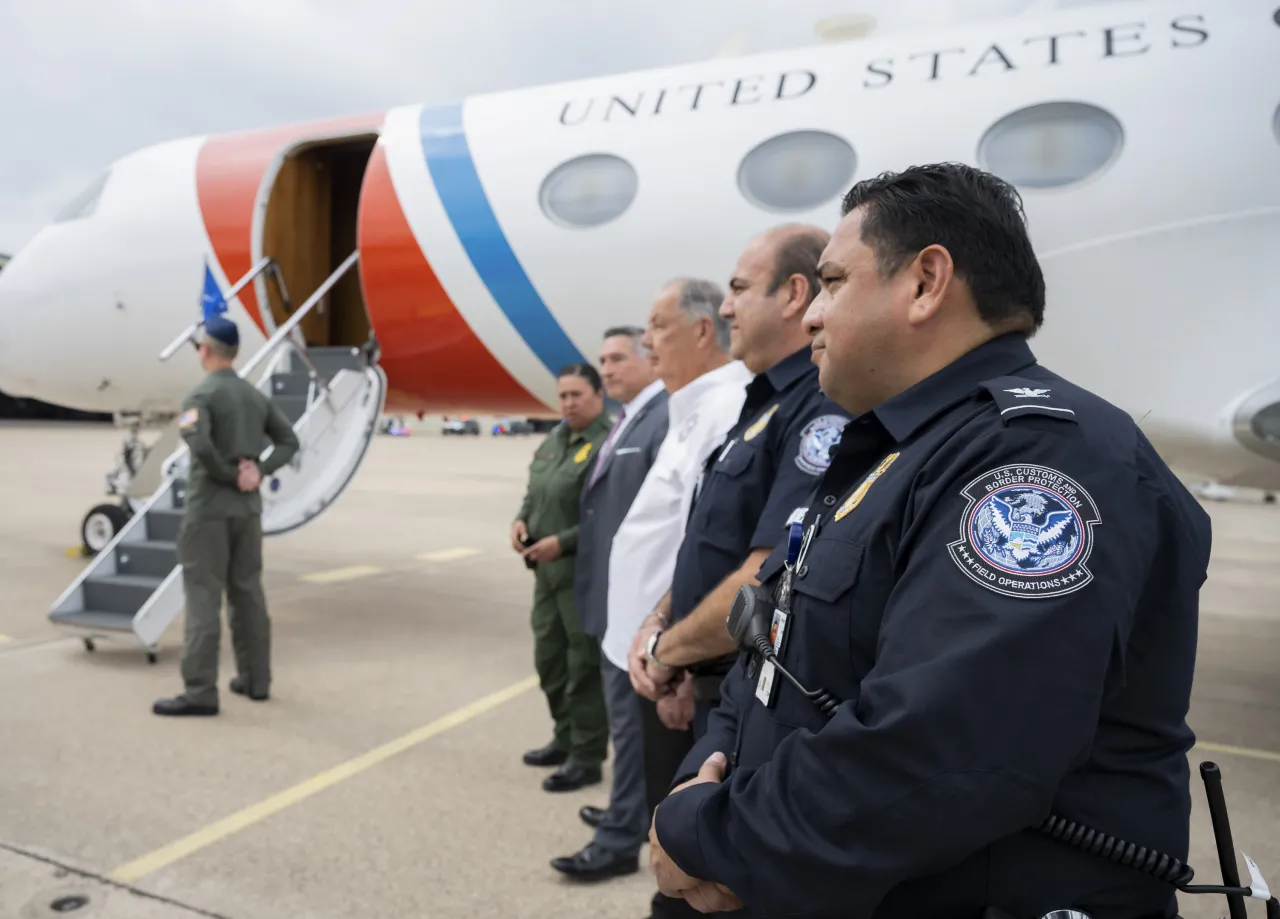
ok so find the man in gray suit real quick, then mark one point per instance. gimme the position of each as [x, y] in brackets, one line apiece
[619, 470]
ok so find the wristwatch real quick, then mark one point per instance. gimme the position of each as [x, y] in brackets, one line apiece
[652, 647]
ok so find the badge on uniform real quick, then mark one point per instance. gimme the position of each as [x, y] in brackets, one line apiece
[188, 418]
[759, 424]
[856, 498]
[583, 453]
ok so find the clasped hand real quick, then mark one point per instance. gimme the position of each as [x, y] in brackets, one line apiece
[250, 476]
[704, 896]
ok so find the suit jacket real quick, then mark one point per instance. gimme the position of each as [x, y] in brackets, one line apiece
[604, 505]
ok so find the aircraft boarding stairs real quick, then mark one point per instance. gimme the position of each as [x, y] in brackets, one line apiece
[333, 396]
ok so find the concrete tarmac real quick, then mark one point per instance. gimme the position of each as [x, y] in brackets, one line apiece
[384, 775]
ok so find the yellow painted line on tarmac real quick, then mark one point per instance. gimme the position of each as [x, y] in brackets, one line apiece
[1239, 751]
[200, 839]
[448, 555]
[352, 573]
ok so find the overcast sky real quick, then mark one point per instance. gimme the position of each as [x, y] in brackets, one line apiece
[86, 81]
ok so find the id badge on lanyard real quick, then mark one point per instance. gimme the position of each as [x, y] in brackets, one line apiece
[798, 540]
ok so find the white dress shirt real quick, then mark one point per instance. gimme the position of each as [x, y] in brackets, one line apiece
[643, 557]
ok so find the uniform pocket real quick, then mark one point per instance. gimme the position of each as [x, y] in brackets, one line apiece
[736, 463]
[817, 649]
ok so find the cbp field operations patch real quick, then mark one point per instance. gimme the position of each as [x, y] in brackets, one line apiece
[816, 441]
[1027, 531]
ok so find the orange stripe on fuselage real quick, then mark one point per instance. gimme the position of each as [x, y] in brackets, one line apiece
[432, 357]
[229, 172]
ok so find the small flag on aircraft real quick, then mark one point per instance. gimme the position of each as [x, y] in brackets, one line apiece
[211, 302]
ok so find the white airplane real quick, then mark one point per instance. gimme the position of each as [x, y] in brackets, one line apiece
[496, 238]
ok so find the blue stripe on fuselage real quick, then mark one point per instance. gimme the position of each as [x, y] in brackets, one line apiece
[458, 184]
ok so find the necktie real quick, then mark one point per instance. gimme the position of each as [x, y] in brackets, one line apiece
[606, 448]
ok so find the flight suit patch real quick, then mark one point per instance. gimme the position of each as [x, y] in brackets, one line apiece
[860, 492]
[816, 442]
[188, 418]
[1027, 531]
[760, 423]
[582, 453]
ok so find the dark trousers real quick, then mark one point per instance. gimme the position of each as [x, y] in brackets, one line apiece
[664, 751]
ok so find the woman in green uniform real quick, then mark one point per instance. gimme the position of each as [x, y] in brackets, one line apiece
[545, 533]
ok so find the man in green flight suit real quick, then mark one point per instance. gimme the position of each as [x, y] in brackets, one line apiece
[545, 533]
[226, 422]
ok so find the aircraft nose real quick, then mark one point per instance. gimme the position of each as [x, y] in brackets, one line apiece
[16, 367]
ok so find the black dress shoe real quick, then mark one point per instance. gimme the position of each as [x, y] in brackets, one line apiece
[596, 864]
[570, 777]
[591, 816]
[237, 686]
[182, 706]
[550, 755]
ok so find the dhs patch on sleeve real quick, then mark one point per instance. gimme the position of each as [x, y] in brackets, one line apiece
[1027, 531]
[816, 442]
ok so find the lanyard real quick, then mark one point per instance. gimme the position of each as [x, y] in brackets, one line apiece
[798, 541]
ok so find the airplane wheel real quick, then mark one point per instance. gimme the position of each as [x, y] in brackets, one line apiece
[100, 526]
[151, 657]
[88, 644]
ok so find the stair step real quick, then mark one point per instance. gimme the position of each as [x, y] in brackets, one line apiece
[150, 559]
[120, 593]
[96, 620]
[162, 526]
[294, 407]
[290, 384]
[330, 360]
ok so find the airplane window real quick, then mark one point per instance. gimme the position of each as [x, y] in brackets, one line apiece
[796, 171]
[85, 203]
[589, 190]
[1051, 144]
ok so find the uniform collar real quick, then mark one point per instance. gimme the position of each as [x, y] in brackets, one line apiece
[589, 431]
[907, 412]
[790, 369]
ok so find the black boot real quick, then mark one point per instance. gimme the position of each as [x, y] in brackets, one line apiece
[180, 705]
[550, 755]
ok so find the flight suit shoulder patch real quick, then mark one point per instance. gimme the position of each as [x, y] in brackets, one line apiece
[1017, 397]
[188, 418]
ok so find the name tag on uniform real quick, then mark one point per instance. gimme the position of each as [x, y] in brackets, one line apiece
[766, 685]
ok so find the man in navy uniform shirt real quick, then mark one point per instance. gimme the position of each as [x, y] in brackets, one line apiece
[770, 460]
[998, 582]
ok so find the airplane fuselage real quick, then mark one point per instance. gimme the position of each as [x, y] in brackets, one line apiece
[499, 237]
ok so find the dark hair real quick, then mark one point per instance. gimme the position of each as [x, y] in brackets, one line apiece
[586, 371]
[976, 216]
[799, 253]
[631, 331]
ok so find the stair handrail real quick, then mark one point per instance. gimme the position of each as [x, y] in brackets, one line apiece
[296, 317]
[189, 332]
